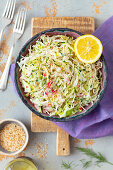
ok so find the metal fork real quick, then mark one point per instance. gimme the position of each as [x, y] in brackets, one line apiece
[7, 15]
[17, 33]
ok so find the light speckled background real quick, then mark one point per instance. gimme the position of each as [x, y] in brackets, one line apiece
[12, 107]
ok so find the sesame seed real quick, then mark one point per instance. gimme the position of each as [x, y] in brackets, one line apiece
[12, 137]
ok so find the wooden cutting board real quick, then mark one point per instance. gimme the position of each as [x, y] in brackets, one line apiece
[85, 25]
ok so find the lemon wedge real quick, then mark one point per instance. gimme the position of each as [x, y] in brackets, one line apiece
[88, 48]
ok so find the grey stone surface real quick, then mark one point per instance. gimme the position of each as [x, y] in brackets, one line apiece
[12, 107]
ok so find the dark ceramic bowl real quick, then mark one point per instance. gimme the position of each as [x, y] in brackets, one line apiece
[26, 100]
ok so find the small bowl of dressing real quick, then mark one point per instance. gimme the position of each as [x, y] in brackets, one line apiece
[22, 163]
[13, 137]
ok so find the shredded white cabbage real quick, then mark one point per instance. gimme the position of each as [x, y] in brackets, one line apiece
[55, 80]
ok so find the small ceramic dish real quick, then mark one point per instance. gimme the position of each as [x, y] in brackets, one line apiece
[26, 100]
[22, 162]
[8, 121]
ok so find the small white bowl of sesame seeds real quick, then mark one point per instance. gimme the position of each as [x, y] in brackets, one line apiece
[13, 137]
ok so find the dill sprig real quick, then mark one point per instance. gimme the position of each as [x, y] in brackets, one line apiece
[66, 165]
[85, 164]
[90, 153]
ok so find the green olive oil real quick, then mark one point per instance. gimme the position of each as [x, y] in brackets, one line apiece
[21, 164]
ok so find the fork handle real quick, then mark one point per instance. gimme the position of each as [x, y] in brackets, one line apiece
[1, 32]
[4, 77]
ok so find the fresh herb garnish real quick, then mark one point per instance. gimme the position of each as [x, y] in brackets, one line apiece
[98, 156]
[66, 165]
[98, 159]
[85, 163]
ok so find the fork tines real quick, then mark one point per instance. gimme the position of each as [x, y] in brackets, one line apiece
[9, 9]
[20, 20]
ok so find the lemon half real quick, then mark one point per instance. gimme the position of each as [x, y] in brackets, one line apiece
[88, 48]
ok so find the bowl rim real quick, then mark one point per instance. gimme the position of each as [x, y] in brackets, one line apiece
[26, 136]
[21, 159]
[58, 119]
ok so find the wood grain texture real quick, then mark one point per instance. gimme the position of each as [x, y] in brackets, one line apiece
[82, 24]
[85, 25]
[40, 125]
[63, 143]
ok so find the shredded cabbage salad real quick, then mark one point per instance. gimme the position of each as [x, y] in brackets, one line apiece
[55, 80]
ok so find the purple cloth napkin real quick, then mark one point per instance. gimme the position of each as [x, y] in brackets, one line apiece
[100, 121]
